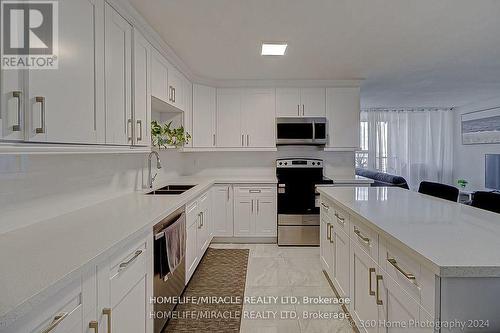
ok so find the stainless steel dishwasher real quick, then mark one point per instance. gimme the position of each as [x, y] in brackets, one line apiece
[169, 264]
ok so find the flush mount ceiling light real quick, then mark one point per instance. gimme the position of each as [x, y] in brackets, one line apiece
[273, 49]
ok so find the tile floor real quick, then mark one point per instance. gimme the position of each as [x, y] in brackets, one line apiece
[282, 271]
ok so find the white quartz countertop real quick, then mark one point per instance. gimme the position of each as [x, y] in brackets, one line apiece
[347, 180]
[457, 240]
[36, 257]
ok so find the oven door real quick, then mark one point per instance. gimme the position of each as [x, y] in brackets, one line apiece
[296, 190]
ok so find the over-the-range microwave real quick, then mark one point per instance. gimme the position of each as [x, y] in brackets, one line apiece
[302, 131]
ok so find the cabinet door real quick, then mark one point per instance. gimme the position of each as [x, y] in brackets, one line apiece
[12, 96]
[222, 209]
[142, 90]
[397, 305]
[265, 216]
[243, 216]
[191, 247]
[204, 103]
[159, 77]
[325, 245]
[176, 88]
[363, 281]
[341, 262]
[62, 102]
[313, 102]
[343, 112]
[123, 290]
[203, 237]
[188, 110]
[118, 65]
[288, 102]
[259, 118]
[229, 132]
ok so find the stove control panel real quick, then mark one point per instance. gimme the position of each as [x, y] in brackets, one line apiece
[299, 163]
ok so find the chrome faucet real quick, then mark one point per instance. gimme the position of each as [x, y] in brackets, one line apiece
[151, 178]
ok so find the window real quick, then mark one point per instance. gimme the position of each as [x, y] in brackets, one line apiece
[377, 158]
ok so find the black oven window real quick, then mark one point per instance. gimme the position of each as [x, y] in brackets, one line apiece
[295, 131]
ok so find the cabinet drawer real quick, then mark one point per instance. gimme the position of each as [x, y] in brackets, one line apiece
[341, 219]
[365, 237]
[126, 271]
[255, 190]
[63, 311]
[327, 209]
[414, 278]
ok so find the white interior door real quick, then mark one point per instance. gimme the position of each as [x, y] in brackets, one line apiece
[229, 132]
[313, 102]
[62, 102]
[259, 118]
[204, 106]
[118, 66]
[288, 102]
[142, 90]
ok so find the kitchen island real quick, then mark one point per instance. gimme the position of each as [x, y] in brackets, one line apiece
[405, 258]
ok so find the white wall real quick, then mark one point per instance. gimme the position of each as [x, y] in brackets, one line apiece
[469, 159]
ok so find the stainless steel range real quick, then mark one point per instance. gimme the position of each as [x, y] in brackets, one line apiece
[298, 213]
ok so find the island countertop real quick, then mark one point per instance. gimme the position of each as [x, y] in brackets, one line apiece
[456, 239]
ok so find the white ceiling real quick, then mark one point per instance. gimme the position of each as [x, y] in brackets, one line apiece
[411, 52]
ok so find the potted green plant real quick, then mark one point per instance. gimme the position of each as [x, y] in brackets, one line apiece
[462, 183]
[164, 136]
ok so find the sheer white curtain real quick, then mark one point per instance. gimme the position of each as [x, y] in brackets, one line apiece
[414, 143]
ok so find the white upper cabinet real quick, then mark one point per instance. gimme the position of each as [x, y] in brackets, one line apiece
[229, 132]
[300, 102]
[62, 104]
[204, 110]
[176, 88]
[313, 102]
[118, 68]
[343, 112]
[288, 102]
[142, 90]
[259, 118]
[12, 95]
[159, 77]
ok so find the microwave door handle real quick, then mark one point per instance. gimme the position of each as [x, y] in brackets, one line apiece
[314, 131]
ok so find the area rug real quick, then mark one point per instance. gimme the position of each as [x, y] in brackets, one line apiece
[213, 299]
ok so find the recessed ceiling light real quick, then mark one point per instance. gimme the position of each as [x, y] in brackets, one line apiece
[273, 49]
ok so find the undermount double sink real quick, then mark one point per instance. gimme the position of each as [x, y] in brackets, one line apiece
[171, 190]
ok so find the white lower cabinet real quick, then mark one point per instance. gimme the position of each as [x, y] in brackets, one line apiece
[255, 211]
[358, 262]
[198, 231]
[222, 210]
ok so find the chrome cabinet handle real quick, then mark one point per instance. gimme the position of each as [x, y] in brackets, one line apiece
[379, 301]
[325, 206]
[17, 95]
[41, 100]
[252, 206]
[228, 193]
[248, 140]
[199, 220]
[56, 321]
[129, 129]
[361, 236]
[298, 110]
[107, 312]
[202, 219]
[174, 94]
[258, 206]
[242, 140]
[331, 235]
[394, 263]
[370, 272]
[139, 123]
[303, 108]
[124, 265]
[170, 93]
[340, 219]
[214, 139]
[254, 191]
[94, 325]
[328, 231]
